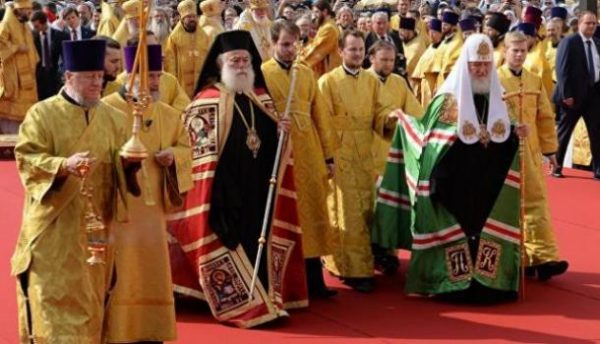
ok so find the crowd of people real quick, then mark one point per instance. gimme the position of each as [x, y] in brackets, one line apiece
[275, 141]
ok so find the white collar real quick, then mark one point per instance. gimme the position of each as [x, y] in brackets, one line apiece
[352, 72]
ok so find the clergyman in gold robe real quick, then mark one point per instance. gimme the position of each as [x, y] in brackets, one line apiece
[130, 25]
[496, 27]
[170, 91]
[18, 56]
[353, 99]
[160, 25]
[142, 307]
[112, 65]
[313, 142]
[536, 61]
[256, 21]
[450, 48]
[321, 54]
[110, 17]
[424, 77]
[413, 46]
[211, 21]
[395, 93]
[540, 242]
[186, 48]
[61, 288]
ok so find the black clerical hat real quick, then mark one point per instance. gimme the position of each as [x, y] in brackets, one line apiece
[467, 24]
[527, 28]
[435, 25]
[498, 22]
[407, 23]
[450, 17]
[154, 57]
[86, 55]
[224, 42]
[559, 12]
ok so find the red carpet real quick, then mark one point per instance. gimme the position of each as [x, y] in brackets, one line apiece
[565, 310]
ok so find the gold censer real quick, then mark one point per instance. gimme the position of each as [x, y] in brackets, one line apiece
[94, 226]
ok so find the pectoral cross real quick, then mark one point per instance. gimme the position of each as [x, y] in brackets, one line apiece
[484, 135]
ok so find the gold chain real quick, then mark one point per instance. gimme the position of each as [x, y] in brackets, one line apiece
[484, 135]
[248, 128]
[252, 140]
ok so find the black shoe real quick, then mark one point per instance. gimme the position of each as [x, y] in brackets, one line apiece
[7, 154]
[597, 176]
[387, 264]
[361, 285]
[322, 293]
[530, 271]
[557, 173]
[546, 271]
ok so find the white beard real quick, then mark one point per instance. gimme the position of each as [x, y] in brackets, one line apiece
[133, 30]
[480, 86]
[155, 95]
[235, 82]
[260, 21]
[160, 30]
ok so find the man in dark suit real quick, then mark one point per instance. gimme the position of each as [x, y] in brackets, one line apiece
[577, 91]
[48, 43]
[380, 30]
[74, 29]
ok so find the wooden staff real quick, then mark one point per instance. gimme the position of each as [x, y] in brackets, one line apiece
[273, 184]
[522, 140]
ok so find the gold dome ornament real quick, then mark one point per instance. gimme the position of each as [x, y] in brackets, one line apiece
[256, 4]
[132, 8]
[21, 4]
[187, 8]
[211, 8]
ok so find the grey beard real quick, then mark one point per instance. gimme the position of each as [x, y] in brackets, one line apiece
[160, 30]
[133, 30]
[84, 103]
[479, 86]
[89, 103]
[155, 95]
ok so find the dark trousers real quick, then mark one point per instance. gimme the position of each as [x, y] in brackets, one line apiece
[591, 116]
[314, 275]
[48, 82]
